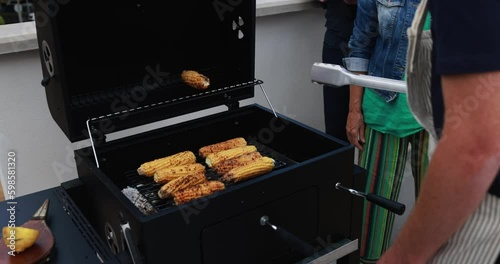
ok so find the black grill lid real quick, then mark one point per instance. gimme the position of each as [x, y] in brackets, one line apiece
[118, 63]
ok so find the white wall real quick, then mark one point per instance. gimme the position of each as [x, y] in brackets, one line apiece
[26, 126]
[286, 47]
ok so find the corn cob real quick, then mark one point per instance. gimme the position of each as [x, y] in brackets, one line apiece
[197, 191]
[224, 166]
[181, 183]
[214, 158]
[258, 167]
[168, 174]
[181, 158]
[225, 145]
[195, 79]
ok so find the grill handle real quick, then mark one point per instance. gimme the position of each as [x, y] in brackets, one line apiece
[134, 251]
[304, 248]
[393, 206]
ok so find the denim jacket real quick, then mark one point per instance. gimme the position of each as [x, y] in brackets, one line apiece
[379, 40]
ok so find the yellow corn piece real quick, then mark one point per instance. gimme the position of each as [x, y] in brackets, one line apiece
[181, 183]
[214, 158]
[195, 79]
[21, 237]
[225, 145]
[258, 167]
[168, 174]
[224, 166]
[182, 158]
[198, 191]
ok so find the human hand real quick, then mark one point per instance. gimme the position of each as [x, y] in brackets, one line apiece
[355, 129]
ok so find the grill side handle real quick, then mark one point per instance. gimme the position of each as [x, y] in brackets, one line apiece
[304, 248]
[393, 206]
[134, 251]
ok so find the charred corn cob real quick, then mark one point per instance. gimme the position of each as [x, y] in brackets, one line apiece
[168, 174]
[197, 191]
[181, 183]
[214, 158]
[225, 145]
[224, 166]
[181, 158]
[195, 79]
[258, 167]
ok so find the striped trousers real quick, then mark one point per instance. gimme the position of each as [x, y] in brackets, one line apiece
[384, 158]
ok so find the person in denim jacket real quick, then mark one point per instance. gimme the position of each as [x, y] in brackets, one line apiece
[380, 123]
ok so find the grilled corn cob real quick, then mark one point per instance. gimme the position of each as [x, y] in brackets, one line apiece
[22, 237]
[198, 191]
[214, 158]
[195, 79]
[181, 158]
[168, 174]
[224, 166]
[225, 145]
[258, 167]
[181, 183]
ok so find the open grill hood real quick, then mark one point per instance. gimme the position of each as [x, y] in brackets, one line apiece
[122, 60]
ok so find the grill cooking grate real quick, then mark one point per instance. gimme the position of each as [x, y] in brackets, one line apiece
[149, 188]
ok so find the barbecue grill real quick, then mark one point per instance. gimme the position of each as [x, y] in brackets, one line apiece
[118, 66]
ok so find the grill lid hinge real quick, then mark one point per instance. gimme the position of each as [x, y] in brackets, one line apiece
[233, 105]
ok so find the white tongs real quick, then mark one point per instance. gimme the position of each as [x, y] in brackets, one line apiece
[336, 75]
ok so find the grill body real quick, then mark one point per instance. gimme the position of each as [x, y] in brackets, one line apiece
[299, 195]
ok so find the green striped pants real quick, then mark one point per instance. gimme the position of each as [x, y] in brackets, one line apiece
[384, 158]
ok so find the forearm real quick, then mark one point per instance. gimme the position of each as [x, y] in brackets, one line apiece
[355, 97]
[461, 171]
[453, 188]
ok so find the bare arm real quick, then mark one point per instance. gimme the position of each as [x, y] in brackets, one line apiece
[361, 45]
[464, 165]
[355, 127]
[355, 98]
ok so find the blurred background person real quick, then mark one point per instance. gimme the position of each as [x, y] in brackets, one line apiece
[339, 23]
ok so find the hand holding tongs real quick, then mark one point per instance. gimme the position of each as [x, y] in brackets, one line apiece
[393, 206]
